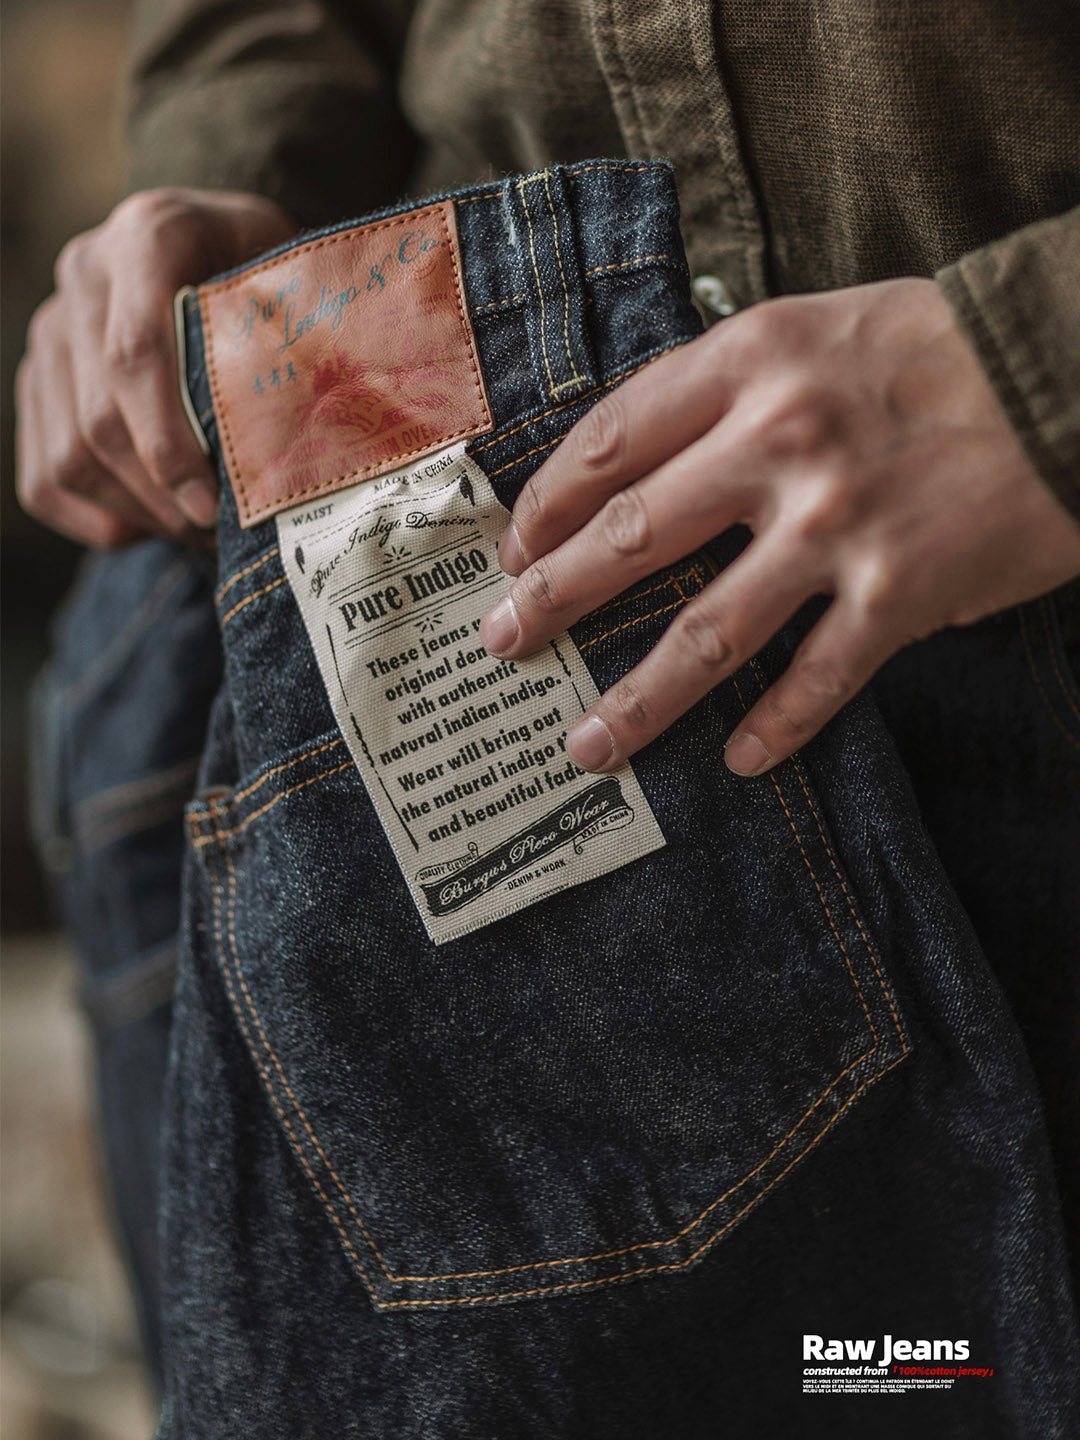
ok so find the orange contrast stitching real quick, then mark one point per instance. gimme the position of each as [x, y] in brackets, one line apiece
[621, 600]
[248, 599]
[565, 405]
[268, 1085]
[246, 571]
[1069, 736]
[639, 620]
[653, 1269]
[229, 800]
[494, 304]
[236, 830]
[253, 1011]
[622, 264]
[221, 834]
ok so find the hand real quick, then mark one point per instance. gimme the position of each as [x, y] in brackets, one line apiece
[105, 452]
[856, 435]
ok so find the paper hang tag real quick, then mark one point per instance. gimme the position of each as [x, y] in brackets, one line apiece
[463, 755]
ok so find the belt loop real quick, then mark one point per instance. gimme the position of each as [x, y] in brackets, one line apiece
[543, 236]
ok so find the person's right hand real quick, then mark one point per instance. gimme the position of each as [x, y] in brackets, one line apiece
[105, 452]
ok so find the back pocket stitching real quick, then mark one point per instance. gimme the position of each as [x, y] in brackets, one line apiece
[221, 835]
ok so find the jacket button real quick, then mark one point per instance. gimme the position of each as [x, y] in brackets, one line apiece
[711, 292]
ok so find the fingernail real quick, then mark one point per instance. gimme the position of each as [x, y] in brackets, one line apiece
[499, 628]
[590, 743]
[198, 501]
[746, 755]
[511, 555]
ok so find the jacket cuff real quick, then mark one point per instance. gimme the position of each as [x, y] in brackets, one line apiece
[1018, 300]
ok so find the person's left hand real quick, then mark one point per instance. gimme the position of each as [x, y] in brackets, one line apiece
[858, 437]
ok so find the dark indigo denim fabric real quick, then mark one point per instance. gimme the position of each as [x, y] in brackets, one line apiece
[595, 1170]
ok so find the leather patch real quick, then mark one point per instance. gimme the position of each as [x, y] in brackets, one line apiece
[341, 359]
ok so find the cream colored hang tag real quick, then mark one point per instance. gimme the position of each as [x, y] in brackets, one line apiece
[464, 756]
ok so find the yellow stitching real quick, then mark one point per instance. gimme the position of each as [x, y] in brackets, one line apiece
[539, 287]
[575, 378]
[639, 620]
[273, 1097]
[851, 904]
[536, 451]
[222, 834]
[539, 1290]
[229, 800]
[253, 1011]
[1069, 736]
[248, 599]
[525, 424]
[1045, 607]
[246, 571]
[654, 1269]
[622, 264]
[621, 600]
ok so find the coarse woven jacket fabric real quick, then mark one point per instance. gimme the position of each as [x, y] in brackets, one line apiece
[816, 145]
[595, 1170]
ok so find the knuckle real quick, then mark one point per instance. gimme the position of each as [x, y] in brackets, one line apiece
[702, 636]
[530, 509]
[103, 428]
[879, 587]
[71, 259]
[799, 424]
[824, 681]
[72, 469]
[129, 353]
[164, 462]
[538, 588]
[629, 709]
[625, 523]
[602, 435]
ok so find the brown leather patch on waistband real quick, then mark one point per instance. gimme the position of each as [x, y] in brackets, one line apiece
[341, 359]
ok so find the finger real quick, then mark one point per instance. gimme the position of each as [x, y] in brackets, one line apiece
[80, 520]
[637, 531]
[140, 357]
[655, 414]
[719, 630]
[832, 664]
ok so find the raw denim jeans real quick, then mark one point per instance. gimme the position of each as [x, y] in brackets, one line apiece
[595, 1170]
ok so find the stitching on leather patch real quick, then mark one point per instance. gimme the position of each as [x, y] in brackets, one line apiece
[340, 358]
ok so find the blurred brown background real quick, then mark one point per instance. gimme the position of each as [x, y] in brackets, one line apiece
[70, 1366]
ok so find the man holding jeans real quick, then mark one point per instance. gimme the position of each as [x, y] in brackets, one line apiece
[904, 438]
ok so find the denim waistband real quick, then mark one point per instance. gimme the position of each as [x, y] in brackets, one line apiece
[574, 276]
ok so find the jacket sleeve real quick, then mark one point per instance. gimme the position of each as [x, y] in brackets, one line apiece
[1019, 302]
[292, 99]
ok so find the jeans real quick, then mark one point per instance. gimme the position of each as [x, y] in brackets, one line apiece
[597, 1168]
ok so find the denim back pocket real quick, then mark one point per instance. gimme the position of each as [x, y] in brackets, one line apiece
[595, 1090]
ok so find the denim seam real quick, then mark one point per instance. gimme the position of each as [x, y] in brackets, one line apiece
[638, 620]
[255, 594]
[255, 564]
[575, 379]
[1048, 706]
[245, 276]
[621, 600]
[464, 1275]
[566, 404]
[221, 834]
[268, 1083]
